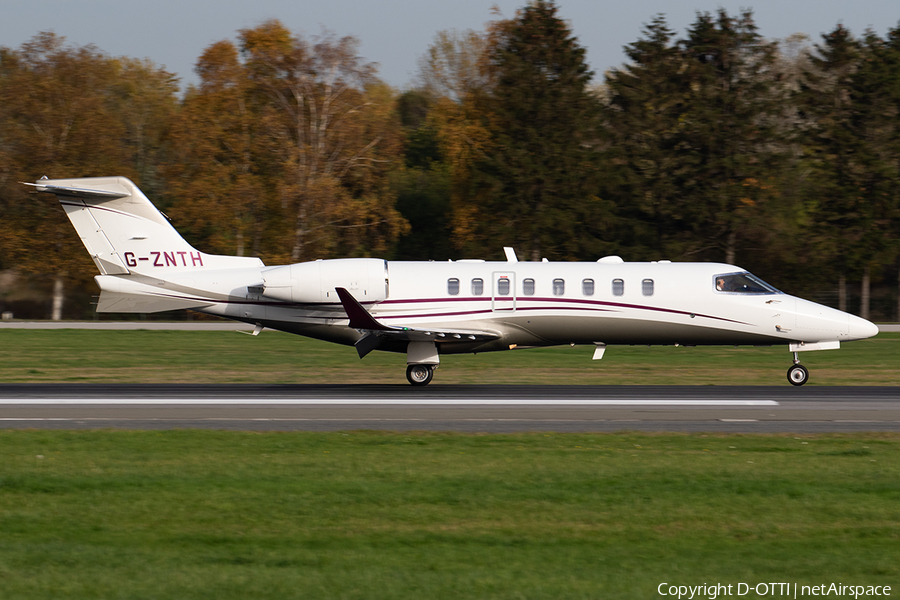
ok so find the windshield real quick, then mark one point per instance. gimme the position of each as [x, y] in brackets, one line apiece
[743, 283]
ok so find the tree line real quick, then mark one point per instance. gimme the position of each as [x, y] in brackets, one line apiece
[716, 145]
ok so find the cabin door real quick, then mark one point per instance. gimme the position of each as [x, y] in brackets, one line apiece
[503, 288]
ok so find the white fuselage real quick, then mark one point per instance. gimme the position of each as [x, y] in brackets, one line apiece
[524, 303]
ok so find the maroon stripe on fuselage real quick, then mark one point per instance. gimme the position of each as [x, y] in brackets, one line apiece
[489, 311]
[555, 301]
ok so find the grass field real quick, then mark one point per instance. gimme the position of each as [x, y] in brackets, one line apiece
[272, 357]
[205, 514]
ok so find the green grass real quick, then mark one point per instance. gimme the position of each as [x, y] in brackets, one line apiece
[205, 514]
[142, 356]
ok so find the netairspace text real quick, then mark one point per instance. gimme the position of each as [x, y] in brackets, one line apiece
[778, 589]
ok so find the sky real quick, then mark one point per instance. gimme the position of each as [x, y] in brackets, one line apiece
[395, 33]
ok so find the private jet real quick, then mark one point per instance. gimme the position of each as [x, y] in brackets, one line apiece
[430, 309]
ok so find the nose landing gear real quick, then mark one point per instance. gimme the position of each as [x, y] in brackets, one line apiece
[797, 374]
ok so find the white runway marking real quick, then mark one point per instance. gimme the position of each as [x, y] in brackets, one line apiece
[384, 401]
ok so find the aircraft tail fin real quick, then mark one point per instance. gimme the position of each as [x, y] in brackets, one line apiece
[124, 232]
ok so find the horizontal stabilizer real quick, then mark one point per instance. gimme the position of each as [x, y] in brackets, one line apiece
[117, 302]
[74, 192]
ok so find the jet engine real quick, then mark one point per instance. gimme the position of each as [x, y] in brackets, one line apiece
[315, 282]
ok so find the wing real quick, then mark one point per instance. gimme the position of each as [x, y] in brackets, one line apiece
[374, 332]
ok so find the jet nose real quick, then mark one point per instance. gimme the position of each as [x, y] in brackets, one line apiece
[861, 329]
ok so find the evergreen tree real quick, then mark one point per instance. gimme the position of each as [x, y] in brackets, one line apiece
[729, 138]
[852, 93]
[537, 187]
[876, 165]
[693, 127]
[642, 117]
[825, 101]
[422, 187]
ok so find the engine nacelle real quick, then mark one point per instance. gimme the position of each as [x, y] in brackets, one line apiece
[315, 282]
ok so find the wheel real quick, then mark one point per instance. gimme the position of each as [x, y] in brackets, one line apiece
[797, 375]
[419, 374]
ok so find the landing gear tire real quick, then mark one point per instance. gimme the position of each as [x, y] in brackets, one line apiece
[419, 374]
[798, 375]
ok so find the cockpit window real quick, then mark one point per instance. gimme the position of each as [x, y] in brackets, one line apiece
[742, 283]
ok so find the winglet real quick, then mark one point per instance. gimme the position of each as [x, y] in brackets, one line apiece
[359, 316]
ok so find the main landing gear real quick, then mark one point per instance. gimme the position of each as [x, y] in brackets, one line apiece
[797, 374]
[420, 374]
[422, 358]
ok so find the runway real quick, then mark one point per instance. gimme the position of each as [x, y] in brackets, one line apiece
[461, 408]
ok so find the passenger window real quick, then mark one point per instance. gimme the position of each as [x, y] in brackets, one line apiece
[503, 286]
[647, 287]
[618, 287]
[559, 287]
[528, 287]
[453, 286]
[477, 287]
[587, 287]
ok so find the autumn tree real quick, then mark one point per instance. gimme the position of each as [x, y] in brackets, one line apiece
[214, 163]
[455, 76]
[330, 127]
[69, 112]
[144, 99]
[444, 131]
[455, 65]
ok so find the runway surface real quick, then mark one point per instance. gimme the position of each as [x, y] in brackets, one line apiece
[463, 408]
